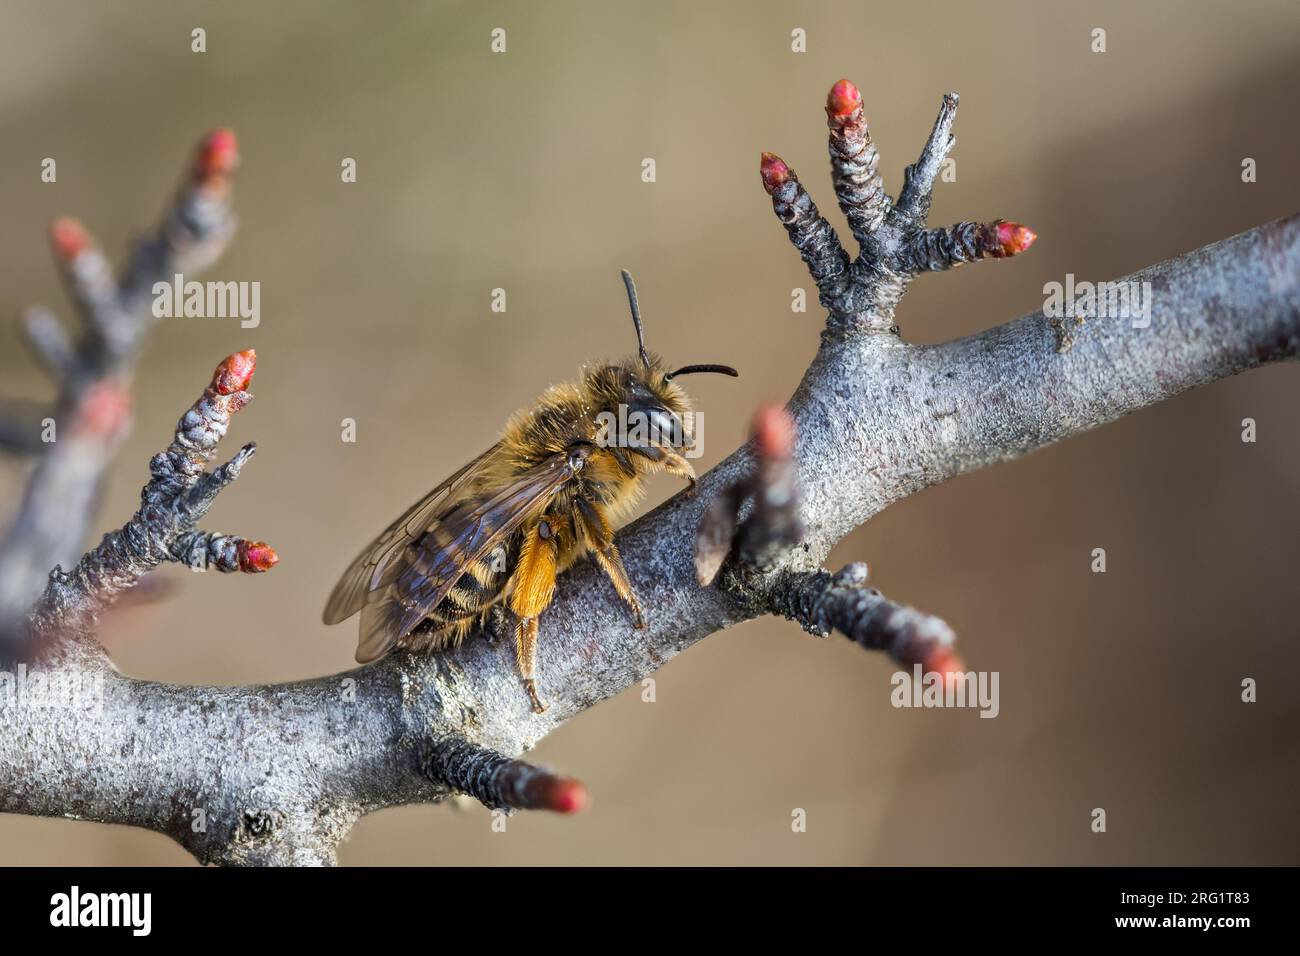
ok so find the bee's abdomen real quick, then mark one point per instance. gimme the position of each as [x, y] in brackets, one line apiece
[477, 590]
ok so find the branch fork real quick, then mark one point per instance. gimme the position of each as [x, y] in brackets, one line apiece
[752, 532]
[165, 528]
[894, 242]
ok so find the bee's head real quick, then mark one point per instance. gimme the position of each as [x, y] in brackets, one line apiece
[645, 389]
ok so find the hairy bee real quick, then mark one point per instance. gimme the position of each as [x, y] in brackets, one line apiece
[498, 531]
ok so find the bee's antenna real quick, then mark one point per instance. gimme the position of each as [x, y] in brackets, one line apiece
[636, 317]
[691, 369]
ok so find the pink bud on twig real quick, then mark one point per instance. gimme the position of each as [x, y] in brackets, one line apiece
[774, 171]
[69, 238]
[234, 373]
[1013, 238]
[217, 157]
[256, 556]
[843, 99]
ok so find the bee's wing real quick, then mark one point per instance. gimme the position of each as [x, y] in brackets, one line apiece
[431, 568]
[375, 563]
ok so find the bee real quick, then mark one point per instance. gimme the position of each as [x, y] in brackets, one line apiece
[499, 531]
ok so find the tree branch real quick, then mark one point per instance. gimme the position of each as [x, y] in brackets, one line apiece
[279, 773]
[93, 407]
[177, 497]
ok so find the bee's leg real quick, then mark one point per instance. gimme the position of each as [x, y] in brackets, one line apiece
[677, 466]
[670, 462]
[612, 564]
[526, 655]
[533, 586]
[601, 540]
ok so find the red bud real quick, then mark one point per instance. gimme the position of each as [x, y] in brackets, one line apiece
[69, 238]
[1013, 238]
[774, 171]
[843, 99]
[559, 794]
[234, 373]
[943, 660]
[218, 155]
[104, 410]
[774, 433]
[256, 556]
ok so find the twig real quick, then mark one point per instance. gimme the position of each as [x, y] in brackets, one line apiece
[772, 527]
[895, 245]
[499, 782]
[764, 559]
[820, 601]
[178, 495]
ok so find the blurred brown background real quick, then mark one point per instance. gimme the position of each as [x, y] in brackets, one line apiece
[522, 171]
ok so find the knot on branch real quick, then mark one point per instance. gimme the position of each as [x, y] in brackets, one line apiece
[259, 824]
[893, 240]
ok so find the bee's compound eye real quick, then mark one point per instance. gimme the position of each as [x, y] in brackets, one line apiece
[666, 428]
